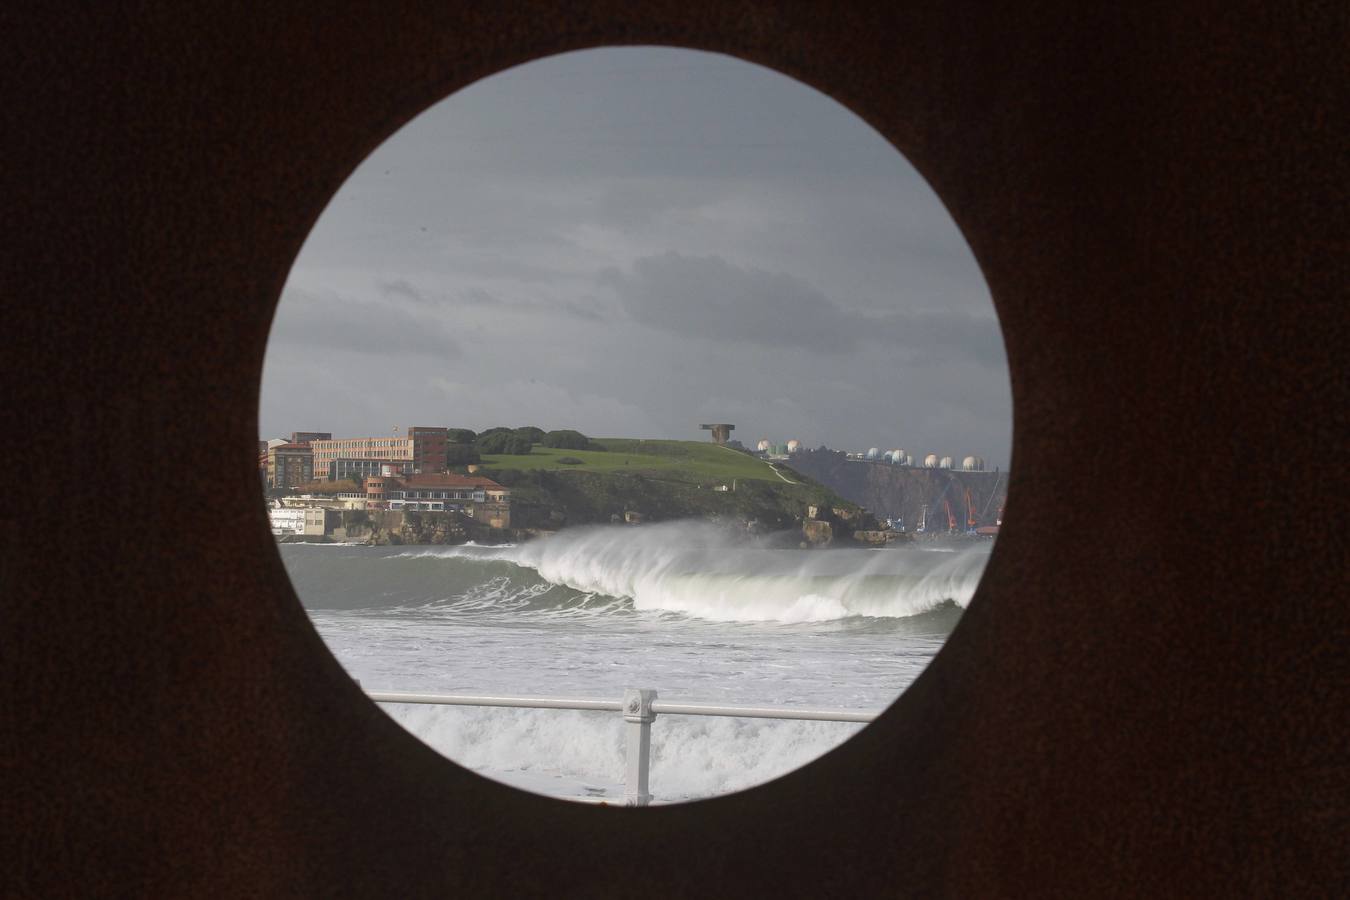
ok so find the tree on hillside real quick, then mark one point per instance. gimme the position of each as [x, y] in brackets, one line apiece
[461, 436]
[531, 433]
[503, 442]
[461, 455]
[566, 439]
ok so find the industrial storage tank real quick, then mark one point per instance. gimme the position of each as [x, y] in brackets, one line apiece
[973, 464]
[793, 445]
[895, 456]
[762, 445]
[909, 460]
[930, 461]
[873, 452]
[945, 463]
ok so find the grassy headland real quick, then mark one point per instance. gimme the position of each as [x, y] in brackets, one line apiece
[690, 461]
[658, 479]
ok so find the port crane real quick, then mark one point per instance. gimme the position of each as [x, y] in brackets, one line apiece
[984, 513]
[941, 498]
[951, 519]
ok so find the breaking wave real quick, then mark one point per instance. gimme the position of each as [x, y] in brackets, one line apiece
[695, 569]
[697, 611]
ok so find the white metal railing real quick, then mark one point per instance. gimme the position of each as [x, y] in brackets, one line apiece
[640, 709]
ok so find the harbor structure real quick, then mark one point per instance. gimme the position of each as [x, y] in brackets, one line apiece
[721, 432]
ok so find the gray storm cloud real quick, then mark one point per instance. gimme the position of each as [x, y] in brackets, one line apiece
[709, 298]
[330, 322]
[633, 241]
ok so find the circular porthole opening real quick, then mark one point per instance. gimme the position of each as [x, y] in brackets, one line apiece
[635, 425]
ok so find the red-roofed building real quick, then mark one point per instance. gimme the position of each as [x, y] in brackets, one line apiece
[476, 496]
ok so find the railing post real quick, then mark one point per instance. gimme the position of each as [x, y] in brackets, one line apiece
[637, 713]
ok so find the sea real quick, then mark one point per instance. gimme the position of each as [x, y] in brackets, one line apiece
[698, 612]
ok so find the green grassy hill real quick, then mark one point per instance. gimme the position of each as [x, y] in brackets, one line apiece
[694, 462]
[662, 480]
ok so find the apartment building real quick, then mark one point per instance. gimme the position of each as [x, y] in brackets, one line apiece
[429, 444]
[288, 465]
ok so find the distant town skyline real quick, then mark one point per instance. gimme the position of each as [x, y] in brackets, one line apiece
[631, 242]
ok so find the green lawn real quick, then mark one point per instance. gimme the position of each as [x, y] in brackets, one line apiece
[696, 462]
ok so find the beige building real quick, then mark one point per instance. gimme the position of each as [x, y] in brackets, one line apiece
[424, 446]
[300, 521]
[349, 500]
[371, 448]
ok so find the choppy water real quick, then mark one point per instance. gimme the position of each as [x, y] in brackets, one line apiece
[686, 608]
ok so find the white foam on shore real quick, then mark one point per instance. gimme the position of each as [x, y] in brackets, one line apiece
[581, 755]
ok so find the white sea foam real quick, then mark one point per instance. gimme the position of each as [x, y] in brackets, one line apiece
[579, 754]
[691, 610]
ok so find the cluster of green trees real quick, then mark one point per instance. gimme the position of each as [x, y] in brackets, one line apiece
[467, 447]
[462, 455]
[504, 441]
[570, 440]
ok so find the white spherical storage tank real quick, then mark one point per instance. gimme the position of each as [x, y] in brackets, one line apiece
[793, 445]
[945, 463]
[973, 464]
[930, 461]
[762, 445]
[873, 452]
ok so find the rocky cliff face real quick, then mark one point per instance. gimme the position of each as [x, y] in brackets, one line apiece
[901, 492]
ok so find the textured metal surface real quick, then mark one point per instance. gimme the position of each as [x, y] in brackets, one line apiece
[1135, 704]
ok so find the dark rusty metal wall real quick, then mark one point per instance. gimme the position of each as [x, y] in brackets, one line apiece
[1146, 706]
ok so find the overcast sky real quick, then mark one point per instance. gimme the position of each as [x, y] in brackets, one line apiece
[632, 242]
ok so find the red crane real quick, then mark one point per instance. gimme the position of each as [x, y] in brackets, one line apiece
[951, 519]
[971, 521]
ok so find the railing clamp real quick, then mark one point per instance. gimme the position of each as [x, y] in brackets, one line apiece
[637, 705]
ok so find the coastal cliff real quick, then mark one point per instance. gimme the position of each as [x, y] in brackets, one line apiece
[901, 492]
